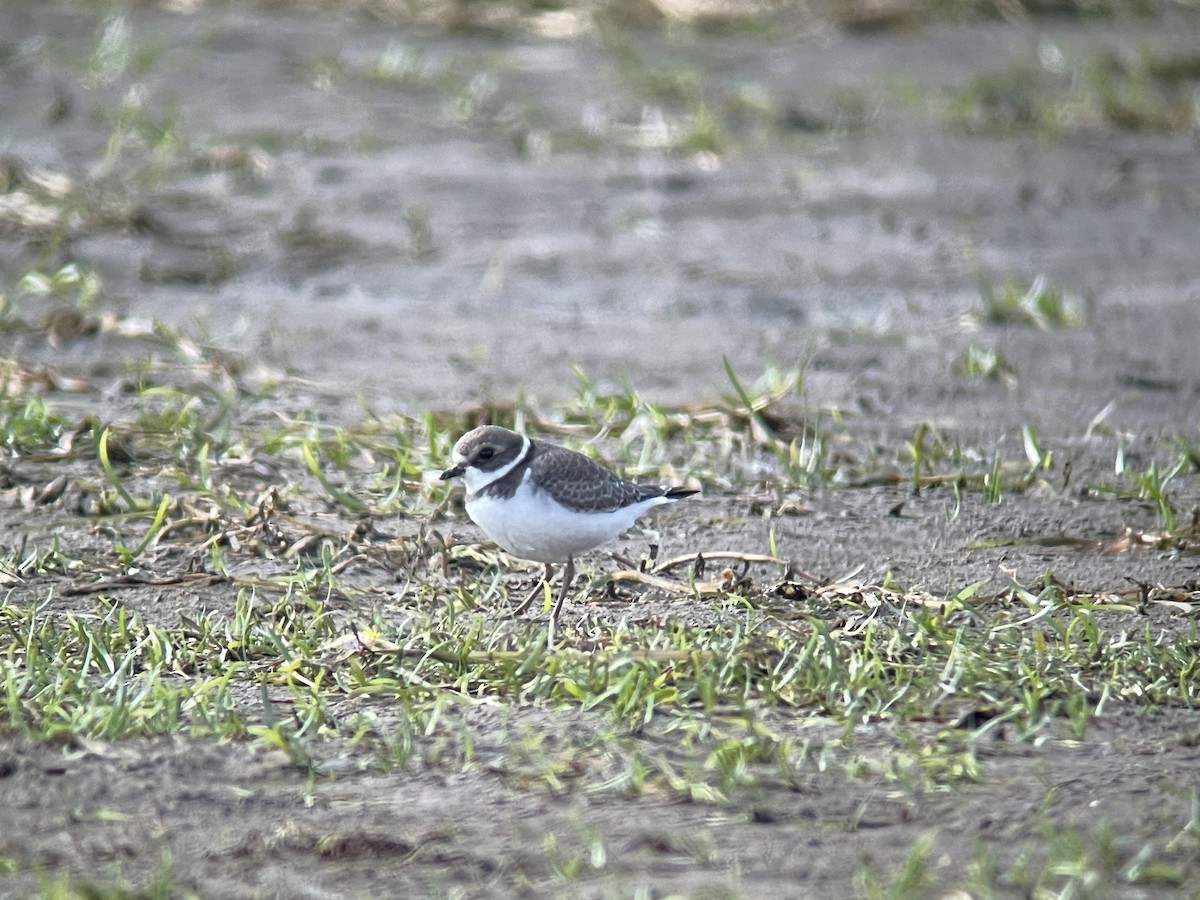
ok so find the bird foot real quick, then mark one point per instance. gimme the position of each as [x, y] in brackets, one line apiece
[539, 590]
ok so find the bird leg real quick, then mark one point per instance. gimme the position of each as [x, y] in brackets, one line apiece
[537, 590]
[567, 578]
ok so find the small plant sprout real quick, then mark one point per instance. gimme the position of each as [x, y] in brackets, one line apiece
[1037, 304]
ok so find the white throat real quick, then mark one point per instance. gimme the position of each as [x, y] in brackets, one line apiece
[476, 480]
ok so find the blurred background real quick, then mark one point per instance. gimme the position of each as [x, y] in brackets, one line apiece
[432, 204]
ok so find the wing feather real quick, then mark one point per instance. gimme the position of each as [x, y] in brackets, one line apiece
[582, 483]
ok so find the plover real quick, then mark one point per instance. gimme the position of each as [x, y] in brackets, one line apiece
[546, 503]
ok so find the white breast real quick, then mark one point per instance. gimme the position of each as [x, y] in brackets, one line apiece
[532, 525]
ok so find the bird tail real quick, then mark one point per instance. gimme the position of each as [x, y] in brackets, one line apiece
[678, 493]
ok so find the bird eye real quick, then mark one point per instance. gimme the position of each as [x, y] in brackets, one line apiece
[485, 454]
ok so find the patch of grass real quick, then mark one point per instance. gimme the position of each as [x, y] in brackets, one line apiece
[162, 885]
[935, 460]
[1152, 92]
[1037, 304]
[27, 423]
[912, 879]
[570, 864]
[216, 449]
[861, 654]
[986, 364]
[104, 675]
[1057, 93]
[1061, 862]
[71, 282]
[358, 631]
[145, 144]
[1154, 484]
[687, 112]
[702, 133]
[1002, 102]
[400, 63]
[1073, 861]
[354, 641]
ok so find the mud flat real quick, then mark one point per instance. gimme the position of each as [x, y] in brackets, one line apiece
[916, 307]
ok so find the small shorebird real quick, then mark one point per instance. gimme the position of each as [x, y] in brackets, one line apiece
[546, 503]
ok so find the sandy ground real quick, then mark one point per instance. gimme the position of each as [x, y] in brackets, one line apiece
[506, 211]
